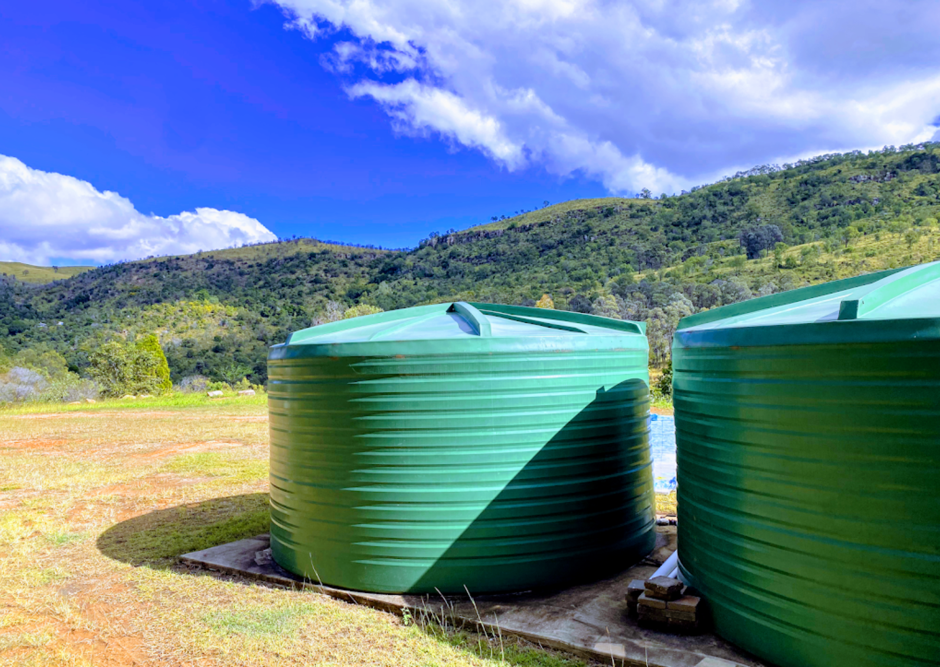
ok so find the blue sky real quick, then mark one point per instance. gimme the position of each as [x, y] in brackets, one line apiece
[179, 105]
[148, 128]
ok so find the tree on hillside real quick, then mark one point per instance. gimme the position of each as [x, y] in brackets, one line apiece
[755, 240]
[606, 306]
[333, 313]
[233, 371]
[661, 325]
[579, 304]
[361, 309]
[545, 302]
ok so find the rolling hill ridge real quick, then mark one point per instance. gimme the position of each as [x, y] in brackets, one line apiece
[770, 229]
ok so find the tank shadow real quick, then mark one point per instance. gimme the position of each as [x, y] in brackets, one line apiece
[156, 539]
[582, 508]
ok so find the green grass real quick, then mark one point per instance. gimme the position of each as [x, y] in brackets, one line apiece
[214, 464]
[171, 400]
[155, 539]
[40, 275]
[258, 622]
[663, 403]
[63, 537]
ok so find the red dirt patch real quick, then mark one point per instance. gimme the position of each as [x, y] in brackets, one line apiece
[32, 445]
[143, 487]
[186, 448]
[99, 414]
[109, 646]
[132, 498]
[665, 412]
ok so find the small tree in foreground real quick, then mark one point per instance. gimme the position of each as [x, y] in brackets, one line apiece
[160, 369]
[121, 367]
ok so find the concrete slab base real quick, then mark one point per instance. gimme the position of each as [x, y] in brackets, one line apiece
[589, 621]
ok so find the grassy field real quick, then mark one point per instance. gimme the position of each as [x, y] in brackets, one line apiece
[28, 273]
[96, 502]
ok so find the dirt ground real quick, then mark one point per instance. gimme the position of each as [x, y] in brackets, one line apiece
[95, 505]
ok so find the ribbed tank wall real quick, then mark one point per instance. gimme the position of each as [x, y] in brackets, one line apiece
[809, 497]
[495, 471]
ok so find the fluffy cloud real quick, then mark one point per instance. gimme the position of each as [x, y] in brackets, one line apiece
[45, 215]
[641, 93]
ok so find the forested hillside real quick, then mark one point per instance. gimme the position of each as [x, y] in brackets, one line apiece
[654, 259]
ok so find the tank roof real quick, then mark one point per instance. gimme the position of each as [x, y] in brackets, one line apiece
[462, 320]
[911, 293]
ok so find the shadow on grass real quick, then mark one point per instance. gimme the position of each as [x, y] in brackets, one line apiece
[156, 539]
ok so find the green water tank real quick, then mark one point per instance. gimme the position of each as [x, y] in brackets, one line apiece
[494, 447]
[808, 434]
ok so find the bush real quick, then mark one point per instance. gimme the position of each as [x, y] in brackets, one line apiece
[21, 384]
[160, 368]
[48, 362]
[39, 374]
[69, 389]
[664, 385]
[193, 384]
[120, 367]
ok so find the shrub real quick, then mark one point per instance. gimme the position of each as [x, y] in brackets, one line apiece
[160, 368]
[664, 385]
[193, 384]
[21, 384]
[48, 362]
[120, 367]
[69, 389]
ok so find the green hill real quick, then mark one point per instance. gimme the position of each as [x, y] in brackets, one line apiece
[771, 229]
[39, 275]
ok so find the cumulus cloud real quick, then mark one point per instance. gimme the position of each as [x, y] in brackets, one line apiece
[641, 93]
[45, 215]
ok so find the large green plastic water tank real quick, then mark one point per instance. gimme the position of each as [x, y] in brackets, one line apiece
[808, 433]
[494, 447]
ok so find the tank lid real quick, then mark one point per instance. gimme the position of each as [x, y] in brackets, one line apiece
[463, 320]
[899, 294]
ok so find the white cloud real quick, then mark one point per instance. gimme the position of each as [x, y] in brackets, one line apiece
[641, 93]
[426, 108]
[45, 215]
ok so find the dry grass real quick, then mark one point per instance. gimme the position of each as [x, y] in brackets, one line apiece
[97, 501]
[666, 504]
